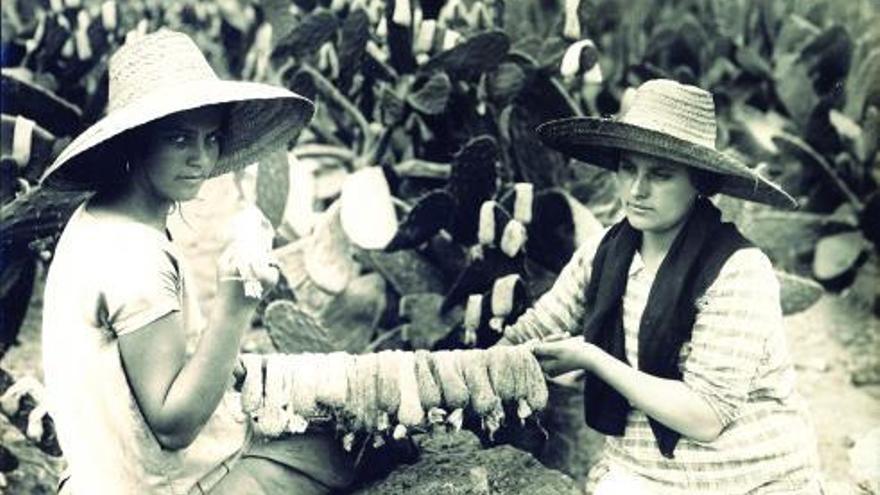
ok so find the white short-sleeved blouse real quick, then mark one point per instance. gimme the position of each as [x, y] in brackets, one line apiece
[110, 277]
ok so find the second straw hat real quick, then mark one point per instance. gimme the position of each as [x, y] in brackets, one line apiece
[668, 120]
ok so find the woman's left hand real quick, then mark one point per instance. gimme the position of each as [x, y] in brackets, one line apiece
[564, 355]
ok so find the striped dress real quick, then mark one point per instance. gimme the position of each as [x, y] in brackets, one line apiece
[737, 361]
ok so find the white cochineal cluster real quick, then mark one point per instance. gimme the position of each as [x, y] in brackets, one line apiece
[249, 235]
[390, 392]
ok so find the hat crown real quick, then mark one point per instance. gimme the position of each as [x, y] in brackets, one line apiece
[154, 62]
[679, 110]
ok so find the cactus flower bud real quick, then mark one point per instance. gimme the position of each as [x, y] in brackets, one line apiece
[424, 39]
[572, 29]
[83, 44]
[486, 230]
[348, 441]
[522, 202]
[399, 432]
[473, 311]
[108, 15]
[480, 16]
[22, 137]
[376, 52]
[69, 48]
[448, 12]
[34, 430]
[328, 60]
[580, 57]
[402, 15]
[594, 75]
[513, 239]
[450, 39]
[10, 401]
[503, 295]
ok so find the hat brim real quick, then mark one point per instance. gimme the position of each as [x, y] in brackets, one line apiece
[589, 139]
[262, 118]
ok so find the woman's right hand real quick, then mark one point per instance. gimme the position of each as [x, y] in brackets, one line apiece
[562, 355]
[243, 276]
[246, 269]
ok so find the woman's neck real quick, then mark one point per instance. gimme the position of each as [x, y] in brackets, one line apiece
[655, 245]
[134, 204]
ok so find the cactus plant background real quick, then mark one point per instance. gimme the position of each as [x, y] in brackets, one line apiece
[426, 117]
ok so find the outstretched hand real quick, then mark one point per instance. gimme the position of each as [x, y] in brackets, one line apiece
[561, 354]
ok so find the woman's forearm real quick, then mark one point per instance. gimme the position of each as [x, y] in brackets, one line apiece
[199, 386]
[670, 402]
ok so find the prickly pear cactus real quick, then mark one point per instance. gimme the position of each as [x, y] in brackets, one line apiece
[273, 183]
[292, 330]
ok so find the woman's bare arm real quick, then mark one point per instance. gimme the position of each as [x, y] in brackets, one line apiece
[670, 402]
[177, 395]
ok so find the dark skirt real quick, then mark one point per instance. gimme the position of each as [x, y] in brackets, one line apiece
[309, 463]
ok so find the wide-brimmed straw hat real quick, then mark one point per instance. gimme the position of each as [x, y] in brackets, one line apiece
[163, 73]
[669, 120]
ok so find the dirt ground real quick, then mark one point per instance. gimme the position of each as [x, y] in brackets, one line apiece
[841, 411]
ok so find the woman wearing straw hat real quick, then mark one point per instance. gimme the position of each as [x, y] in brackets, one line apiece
[683, 351]
[138, 383]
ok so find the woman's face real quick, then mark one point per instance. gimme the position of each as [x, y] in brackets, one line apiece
[178, 153]
[656, 194]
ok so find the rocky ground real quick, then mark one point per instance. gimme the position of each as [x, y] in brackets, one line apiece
[826, 342]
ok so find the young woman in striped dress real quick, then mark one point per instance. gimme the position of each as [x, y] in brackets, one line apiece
[682, 353]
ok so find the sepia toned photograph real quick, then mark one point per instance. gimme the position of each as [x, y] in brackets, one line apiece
[419, 247]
